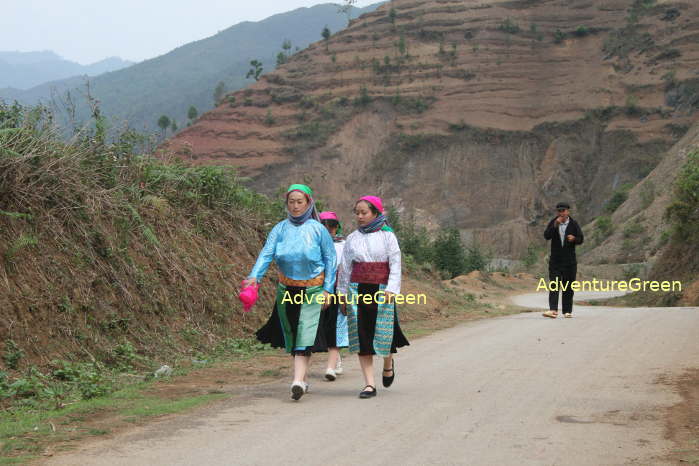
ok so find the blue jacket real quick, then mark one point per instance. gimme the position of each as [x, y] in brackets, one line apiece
[301, 252]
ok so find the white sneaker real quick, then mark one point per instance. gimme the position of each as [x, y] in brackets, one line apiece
[297, 390]
[338, 367]
[330, 374]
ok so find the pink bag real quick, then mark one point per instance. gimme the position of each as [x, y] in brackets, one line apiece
[248, 296]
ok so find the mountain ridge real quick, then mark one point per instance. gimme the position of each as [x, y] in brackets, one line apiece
[23, 70]
[478, 115]
[187, 75]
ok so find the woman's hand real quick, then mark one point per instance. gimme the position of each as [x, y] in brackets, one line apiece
[249, 281]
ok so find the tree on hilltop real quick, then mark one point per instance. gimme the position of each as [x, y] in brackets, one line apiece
[255, 70]
[164, 123]
[192, 113]
[346, 8]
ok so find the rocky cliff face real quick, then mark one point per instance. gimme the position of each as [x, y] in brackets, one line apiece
[478, 114]
[639, 229]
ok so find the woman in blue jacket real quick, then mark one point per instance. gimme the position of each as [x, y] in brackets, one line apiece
[305, 256]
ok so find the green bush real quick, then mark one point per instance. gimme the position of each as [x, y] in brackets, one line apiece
[240, 346]
[509, 26]
[12, 355]
[631, 107]
[581, 31]
[603, 227]
[94, 382]
[622, 42]
[531, 257]
[415, 242]
[669, 54]
[476, 258]
[633, 229]
[411, 104]
[449, 254]
[618, 197]
[558, 36]
[363, 99]
[125, 356]
[684, 209]
[632, 271]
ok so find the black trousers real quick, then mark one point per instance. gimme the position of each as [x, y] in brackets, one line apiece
[565, 275]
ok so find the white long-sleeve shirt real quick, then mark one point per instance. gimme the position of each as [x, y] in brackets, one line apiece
[339, 248]
[380, 246]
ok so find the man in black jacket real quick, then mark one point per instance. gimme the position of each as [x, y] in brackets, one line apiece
[564, 234]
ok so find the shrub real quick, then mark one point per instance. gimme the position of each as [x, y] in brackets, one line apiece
[622, 42]
[415, 242]
[476, 258]
[631, 107]
[684, 209]
[363, 99]
[449, 254]
[677, 131]
[633, 229]
[603, 227]
[669, 54]
[509, 26]
[531, 257]
[307, 102]
[618, 197]
[581, 31]
[670, 79]
[632, 271]
[671, 14]
[558, 36]
[12, 355]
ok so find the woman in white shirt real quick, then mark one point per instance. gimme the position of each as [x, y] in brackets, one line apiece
[369, 276]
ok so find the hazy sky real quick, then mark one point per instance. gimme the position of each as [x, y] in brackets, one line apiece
[90, 30]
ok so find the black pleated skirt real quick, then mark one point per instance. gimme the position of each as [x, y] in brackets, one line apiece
[272, 333]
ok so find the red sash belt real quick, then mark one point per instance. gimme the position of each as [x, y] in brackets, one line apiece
[370, 272]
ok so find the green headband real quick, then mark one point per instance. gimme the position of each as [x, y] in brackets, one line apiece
[300, 187]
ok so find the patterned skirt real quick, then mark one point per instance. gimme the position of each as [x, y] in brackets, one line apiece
[373, 327]
[334, 326]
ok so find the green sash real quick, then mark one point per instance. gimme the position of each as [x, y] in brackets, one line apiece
[308, 319]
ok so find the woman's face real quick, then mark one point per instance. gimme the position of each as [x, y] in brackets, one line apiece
[297, 203]
[363, 213]
[331, 230]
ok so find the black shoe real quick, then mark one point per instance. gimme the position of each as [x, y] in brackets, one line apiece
[366, 393]
[387, 381]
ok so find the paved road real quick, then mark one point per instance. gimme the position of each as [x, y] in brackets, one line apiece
[517, 390]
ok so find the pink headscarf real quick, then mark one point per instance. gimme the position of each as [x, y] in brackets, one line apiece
[375, 201]
[327, 215]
